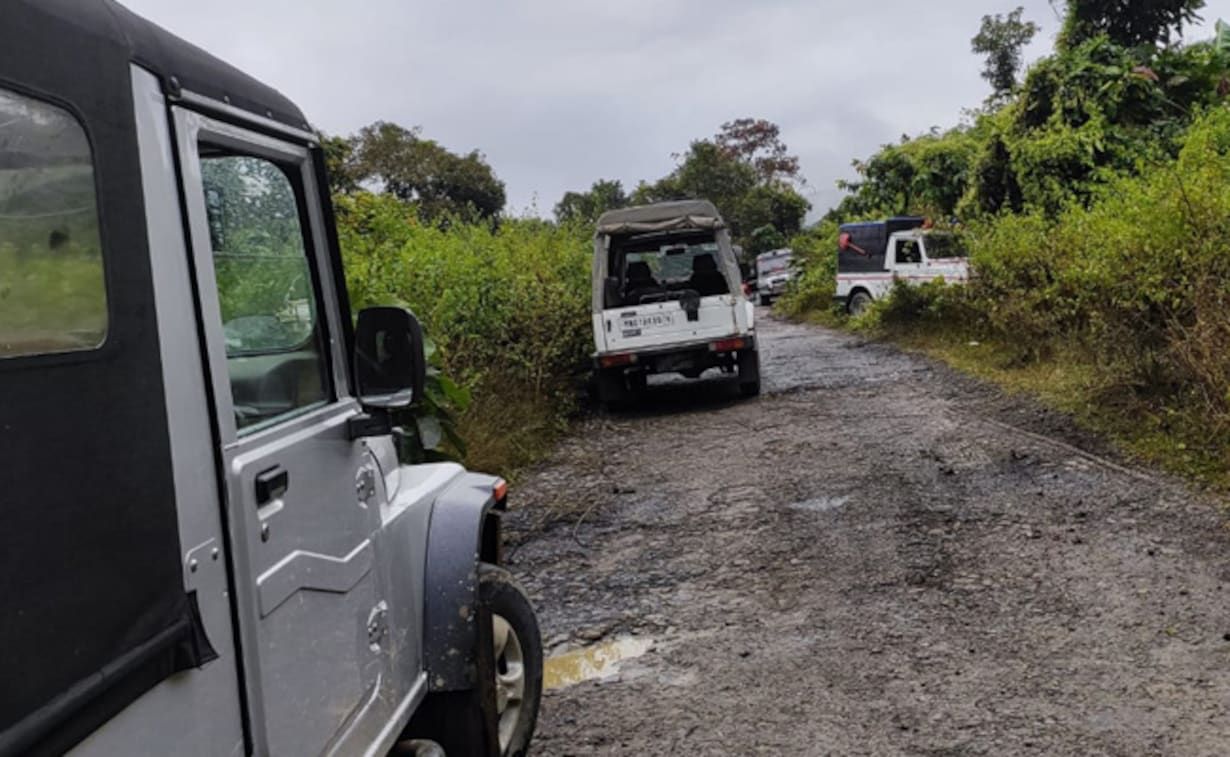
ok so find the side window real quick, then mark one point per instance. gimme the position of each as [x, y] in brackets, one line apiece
[908, 252]
[53, 295]
[269, 299]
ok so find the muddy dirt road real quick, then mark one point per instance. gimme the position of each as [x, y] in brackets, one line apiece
[875, 557]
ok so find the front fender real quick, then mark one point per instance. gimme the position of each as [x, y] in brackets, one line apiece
[464, 530]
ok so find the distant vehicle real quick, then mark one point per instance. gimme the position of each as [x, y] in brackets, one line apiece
[667, 299]
[774, 270]
[871, 256]
[208, 543]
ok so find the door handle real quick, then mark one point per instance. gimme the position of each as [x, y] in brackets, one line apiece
[271, 484]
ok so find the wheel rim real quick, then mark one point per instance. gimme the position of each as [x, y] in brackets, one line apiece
[509, 679]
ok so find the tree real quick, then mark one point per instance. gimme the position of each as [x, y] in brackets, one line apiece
[758, 143]
[763, 239]
[745, 171]
[421, 172]
[586, 207]
[339, 163]
[1001, 40]
[1127, 22]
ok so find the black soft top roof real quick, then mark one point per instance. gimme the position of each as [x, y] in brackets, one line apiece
[179, 64]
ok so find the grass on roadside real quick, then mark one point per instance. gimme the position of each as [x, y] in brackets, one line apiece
[1163, 431]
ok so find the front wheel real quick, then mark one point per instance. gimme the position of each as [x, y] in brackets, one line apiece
[518, 658]
[498, 715]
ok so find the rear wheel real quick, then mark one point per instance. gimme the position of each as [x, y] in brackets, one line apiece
[749, 373]
[638, 383]
[858, 303]
[765, 300]
[611, 391]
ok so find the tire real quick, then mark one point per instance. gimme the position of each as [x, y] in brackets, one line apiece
[518, 658]
[638, 384]
[611, 391]
[468, 723]
[749, 373]
[765, 300]
[858, 302]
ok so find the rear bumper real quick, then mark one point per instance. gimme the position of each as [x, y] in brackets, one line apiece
[675, 358]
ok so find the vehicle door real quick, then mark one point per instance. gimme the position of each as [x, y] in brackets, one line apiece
[671, 292]
[299, 493]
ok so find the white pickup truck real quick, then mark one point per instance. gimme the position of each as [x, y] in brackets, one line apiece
[867, 267]
[667, 299]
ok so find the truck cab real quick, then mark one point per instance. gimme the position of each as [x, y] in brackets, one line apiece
[667, 299]
[208, 542]
[872, 257]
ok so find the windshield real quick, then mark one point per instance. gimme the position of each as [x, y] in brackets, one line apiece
[942, 246]
[771, 265]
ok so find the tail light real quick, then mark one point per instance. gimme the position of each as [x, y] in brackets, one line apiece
[614, 361]
[728, 345]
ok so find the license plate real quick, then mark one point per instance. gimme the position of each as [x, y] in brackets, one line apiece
[636, 325]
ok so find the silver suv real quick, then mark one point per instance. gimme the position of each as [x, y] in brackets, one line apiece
[207, 541]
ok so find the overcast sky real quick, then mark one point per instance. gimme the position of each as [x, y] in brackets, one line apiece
[558, 93]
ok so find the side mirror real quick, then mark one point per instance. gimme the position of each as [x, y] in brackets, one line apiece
[390, 365]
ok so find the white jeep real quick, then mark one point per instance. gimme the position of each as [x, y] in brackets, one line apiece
[667, 299]
[866, 270]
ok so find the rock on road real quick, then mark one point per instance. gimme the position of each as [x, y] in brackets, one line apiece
[877, 556]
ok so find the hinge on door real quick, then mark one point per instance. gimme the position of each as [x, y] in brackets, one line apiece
[367, 425]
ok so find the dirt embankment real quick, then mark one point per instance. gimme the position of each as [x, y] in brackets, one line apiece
[876, 557]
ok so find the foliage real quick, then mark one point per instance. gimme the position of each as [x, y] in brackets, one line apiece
[814, 257]
[746, 172]
[50, 301]
[906, 306]
[430, 428]
[1001, 39]
[763, 239]
[440, 184]
[508, 308]
[586, 207]
[1129, 23]
[927, 175]
[758, 143]
[1083, 116]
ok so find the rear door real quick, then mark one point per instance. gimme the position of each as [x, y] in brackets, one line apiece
[299, 493]
[672, 294]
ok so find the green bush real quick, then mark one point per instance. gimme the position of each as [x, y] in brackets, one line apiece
[507, 305]
[815, 257]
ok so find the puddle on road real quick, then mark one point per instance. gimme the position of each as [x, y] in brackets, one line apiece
[821, 504]
[592, 663]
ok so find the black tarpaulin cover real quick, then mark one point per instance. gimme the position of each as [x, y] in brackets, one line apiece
[94, 611]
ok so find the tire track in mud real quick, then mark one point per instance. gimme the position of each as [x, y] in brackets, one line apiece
[877, 557]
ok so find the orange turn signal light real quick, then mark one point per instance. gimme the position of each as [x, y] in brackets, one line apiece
[500, 490]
